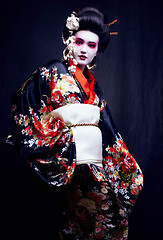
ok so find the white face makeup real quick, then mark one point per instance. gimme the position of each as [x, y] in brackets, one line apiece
[86, 46]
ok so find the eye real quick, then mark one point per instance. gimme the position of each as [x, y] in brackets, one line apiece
[79, 41]
[92, 45]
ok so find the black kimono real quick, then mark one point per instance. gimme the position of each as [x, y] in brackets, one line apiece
[99, 197]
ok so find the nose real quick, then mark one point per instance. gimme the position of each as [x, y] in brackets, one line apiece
[83, 49]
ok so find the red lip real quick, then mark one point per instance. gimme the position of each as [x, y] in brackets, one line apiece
[82, 57]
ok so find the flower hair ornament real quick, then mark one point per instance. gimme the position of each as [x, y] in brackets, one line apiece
[72, 22]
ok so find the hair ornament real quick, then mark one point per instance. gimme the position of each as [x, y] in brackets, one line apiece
[111, 23]
[69, 50]
[72, 22]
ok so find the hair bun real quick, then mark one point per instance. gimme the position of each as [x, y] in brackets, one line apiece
[94, 20]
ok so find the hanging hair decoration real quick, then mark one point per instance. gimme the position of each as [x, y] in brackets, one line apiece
[109, 24]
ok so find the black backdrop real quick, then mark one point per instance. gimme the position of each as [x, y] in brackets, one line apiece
[130, 73]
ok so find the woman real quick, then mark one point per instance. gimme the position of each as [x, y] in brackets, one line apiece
[63, 126]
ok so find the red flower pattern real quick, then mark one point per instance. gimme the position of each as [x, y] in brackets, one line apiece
[54, 127]
[127, 163]
[56, 99]
[28, 131]
[71, 98]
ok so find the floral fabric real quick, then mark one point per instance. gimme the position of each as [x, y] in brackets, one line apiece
[91, 211]
[47, 142]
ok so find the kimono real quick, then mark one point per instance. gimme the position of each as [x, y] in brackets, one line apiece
[97, 199]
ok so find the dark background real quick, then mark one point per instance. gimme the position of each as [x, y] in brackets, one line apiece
[130, 73]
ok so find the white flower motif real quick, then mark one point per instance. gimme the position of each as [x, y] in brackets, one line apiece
[72, 22]
[104, 190]
[72, 69]
[104, 207]
[122, 191]
[126, 197]
[30, 142]
[44, 72]
[116, 191]
[110, 226]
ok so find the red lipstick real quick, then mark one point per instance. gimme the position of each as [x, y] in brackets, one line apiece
[82, 57]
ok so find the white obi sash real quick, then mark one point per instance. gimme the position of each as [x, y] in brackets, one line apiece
[88, 139]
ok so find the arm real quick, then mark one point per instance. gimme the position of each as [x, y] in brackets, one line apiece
[122, 171]
[40, 137]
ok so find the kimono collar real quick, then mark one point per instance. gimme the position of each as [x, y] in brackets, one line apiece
[86, 81]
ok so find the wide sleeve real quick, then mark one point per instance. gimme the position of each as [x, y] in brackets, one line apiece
[34, 131]
[123, 172]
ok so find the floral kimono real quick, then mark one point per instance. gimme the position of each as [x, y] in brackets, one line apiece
[98, 199]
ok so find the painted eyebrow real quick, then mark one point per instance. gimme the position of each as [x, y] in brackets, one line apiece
[83, 40]
[92, 42]
[79, 39]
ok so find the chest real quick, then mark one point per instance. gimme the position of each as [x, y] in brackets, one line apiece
[67, 90]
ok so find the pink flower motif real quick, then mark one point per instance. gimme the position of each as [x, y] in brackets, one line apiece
[96, 196]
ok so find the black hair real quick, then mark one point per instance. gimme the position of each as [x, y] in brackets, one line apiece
[94, 20]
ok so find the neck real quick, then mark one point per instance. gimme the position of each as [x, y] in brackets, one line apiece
[81, 67]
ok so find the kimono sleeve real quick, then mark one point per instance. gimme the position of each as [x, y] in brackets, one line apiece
[33, 130]
[122, 171]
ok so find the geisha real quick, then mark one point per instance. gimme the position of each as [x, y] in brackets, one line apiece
[63, 127]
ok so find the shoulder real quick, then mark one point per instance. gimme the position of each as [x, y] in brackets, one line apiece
[61, 66]
[42, 75]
